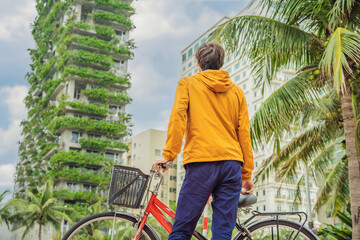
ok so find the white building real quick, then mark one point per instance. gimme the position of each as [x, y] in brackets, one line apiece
[144, 149]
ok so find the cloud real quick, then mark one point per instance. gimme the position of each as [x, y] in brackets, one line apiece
[13, 99]
[16, 20]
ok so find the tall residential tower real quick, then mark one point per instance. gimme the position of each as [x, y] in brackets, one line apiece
[76, 118]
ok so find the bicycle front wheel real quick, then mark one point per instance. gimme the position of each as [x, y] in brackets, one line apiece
[283, 229]
[103, 226]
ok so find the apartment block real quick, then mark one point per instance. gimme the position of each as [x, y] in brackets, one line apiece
[76, 121]
[144, 149]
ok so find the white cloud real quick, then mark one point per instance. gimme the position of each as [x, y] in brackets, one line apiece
[13, 99]
[16, 20]
[7, 175]
[154, 19]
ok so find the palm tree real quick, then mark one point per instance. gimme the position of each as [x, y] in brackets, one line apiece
[321, 40]
[41, 209]
[338, 232]
[3, 212]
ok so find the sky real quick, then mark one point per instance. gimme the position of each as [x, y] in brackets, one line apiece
[163, 29]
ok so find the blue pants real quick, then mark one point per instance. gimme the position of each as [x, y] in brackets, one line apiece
[222, 179]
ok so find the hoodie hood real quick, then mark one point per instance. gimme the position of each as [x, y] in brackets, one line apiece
[215, 80]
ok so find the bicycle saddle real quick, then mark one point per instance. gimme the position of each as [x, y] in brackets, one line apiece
[246, 200]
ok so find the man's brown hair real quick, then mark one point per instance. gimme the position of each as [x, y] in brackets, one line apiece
[210, 56]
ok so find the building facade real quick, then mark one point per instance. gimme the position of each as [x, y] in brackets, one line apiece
[273, 194]
[144, 149]
[76, 120]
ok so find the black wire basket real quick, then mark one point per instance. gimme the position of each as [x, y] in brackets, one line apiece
[127, 186]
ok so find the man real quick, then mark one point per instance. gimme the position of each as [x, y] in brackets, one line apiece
[212, 112]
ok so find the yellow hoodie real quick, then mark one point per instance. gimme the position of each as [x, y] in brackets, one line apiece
[212, 112]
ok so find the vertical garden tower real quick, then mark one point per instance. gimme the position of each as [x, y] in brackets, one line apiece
[76, 118]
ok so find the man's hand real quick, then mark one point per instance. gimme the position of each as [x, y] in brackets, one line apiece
[160, 160]
[247, 187]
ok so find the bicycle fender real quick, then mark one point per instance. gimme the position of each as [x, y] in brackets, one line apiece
[249, 225]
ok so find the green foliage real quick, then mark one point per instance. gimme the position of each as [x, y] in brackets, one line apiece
[108, 16]
[99, 44]
[88, 125]
[100, 110]
[90, 197]
[85, 57]
[78, 158]
[106, 31]
[102, 77]
[114, 4]
[80, 174]
[343, 231]
[41, 209]
[101, 144]
[103, 94]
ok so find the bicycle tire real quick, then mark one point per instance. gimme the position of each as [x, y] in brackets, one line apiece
[148, 232]
[287, 224]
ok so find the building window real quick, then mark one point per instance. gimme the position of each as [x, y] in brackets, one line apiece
[237, 78]
[157, 152]
[255, 94]
[184, 57]
[203, 40]
[190, 64]
[172, 190]
[75, 136]
[264, 208]
[190, 52]
[256, 164]
[278, 208]
[196, 46]
[229, 70]
[173, 178]
[134, 145]
[77, 94]
[244, 86]
[244, 74]
[257, 208]
[237, 65]
[94, 136]
[264, 192]
[110, 155]
[257, 194]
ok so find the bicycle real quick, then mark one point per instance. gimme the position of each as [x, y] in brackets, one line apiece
[127, 189]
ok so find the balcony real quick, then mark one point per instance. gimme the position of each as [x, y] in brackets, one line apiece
[57, 90]
[82, 64]
[50, 153]
[117, 56]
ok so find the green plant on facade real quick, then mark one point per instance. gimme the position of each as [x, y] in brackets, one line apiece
[70, 53]
[104, 95]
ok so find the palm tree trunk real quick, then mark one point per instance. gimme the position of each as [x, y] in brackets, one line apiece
[353, 162]
[39, 231]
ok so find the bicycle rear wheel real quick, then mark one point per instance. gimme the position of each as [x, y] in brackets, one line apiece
[101, 227]
[283, 229]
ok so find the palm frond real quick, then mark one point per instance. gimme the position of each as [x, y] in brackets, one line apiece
[340, 11]
[335, 187]
[343, 46]
[267, 43]
[276, 113]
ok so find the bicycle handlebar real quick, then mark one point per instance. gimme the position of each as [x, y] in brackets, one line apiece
[165, 165]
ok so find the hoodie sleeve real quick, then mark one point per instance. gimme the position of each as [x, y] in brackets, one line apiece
[177, 122]
[244, 140]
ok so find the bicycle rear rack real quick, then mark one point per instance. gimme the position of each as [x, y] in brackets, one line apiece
[276, 215]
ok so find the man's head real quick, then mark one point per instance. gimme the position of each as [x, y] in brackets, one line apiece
[210, 56]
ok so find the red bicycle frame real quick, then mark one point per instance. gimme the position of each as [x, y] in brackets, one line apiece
[153, 208]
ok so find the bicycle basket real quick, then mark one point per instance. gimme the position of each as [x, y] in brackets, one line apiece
[127, 186]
